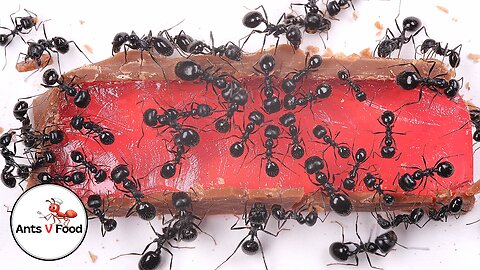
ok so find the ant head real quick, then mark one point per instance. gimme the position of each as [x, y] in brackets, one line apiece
[253, 19]
[321, 178]
[407, 182]
[256, 117]
[250, 247]
[181, 200]
[278, 212]
[411, 24]
[341, 204]
[94, 201]
[369, 180]
[427, 45]
[445, 169]
[323, 90]
[288, 85]
[371, 247]
[319, 131]
[188, 70]
[361, 155]
[82, 99]
[258, 214]
[476, 135]
[77, 157]
[222, 125]
[408, 80]
[5, 139]
[54, 206]
[333, 8]
[119, 173]
[388, 118]
[314, 164]
[272, 132]
[146, 210]
[386, 241]
[387, 151]
[313, 22]
[20, 110]
[294, 36]
[344, 151]
[343, 75]
[50, 77]
[287, 119]
[267, 63]
[78, 178]
[56, 136]
[118, 41]
[60, 44]
[233, 52]
[189, 137]
[339, 251]
[454, 59]
[272, 105]
[452, 89]
[28, 22]
[4, 38]
[455, 205]
[77, 122]
[388, 199]
[149, 260]
[44, 177]
[315, 61]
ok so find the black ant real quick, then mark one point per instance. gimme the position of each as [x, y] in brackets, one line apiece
[359, 158]
[393, 221]
[360, 95]
[388, 119]
[391, 42]
[183, 222]
[475, 119]
[289, 84]
[382, 245]
[272, 133]
[339, 202]
[145, 210]
[22, 26]
[334, 7]
[98, 174]
[151, 259]
[171, 116]
[56, 45]
[51, 79]
[33, 139]
[146, 43]
[108, 224]
[238, 98]
[408, 182]
[106, 137]
[372, 184]
[76, 178]
[42, 159]
[271, 102]
[189, 70]
[297, 150]
[169, 169]
[254, 18]
[453, 208]
[321, 132]
[290, 102]
[409, 80]
[281, 215]
[255, 220]
[436, 47]
[194, 47]
[8, 178]
[255, 118]
[314, 22]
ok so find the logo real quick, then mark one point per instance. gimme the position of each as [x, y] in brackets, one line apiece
[48, 222]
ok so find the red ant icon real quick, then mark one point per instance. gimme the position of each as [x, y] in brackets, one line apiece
[56, 214]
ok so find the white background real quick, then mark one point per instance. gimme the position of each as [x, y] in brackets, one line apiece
[451, 245]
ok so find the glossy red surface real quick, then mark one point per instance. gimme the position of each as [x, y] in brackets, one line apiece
[432, 129]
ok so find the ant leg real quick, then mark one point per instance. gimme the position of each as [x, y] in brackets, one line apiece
[231, 255]
[78, 48]
[263, 254]
[171, 256]
[370, 263]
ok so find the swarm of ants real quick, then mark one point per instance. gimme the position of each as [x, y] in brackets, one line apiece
[276, 121]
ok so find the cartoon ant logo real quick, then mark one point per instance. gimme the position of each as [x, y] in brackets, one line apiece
[55, 214]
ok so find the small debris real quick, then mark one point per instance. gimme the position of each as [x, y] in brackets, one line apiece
[312, 49]
[380, 28]
[88, 48]
[467, 85]
[82, 22]
[93, 257]
[354, 16]
[1, 130]
[454, 19]
[328, 53]
[220, 181]
[474, 57]
[443, 9]
[366, 52]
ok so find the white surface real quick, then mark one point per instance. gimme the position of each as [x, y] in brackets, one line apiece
[451, 245]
